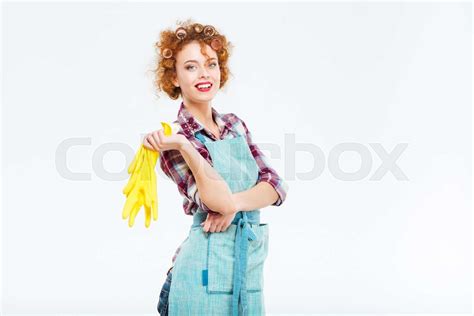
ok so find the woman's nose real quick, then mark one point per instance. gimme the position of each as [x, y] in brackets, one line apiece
[204, 74]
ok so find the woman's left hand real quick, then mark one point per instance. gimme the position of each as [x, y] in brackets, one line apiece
[158, 141]
[217, 222]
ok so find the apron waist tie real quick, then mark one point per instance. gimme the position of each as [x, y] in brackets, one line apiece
[244, 233]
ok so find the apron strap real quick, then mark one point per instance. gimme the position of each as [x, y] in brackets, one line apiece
[244, 234]
[200, 136]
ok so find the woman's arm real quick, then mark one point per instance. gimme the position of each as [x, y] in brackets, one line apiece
[196, 179]
[259, 196]
[213, 189]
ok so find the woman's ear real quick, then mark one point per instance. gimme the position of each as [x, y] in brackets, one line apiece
[175, 82]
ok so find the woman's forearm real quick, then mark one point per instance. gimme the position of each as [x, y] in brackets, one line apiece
[259, 196]
[213, 189]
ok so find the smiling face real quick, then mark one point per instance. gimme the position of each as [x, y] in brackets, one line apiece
[194, 68]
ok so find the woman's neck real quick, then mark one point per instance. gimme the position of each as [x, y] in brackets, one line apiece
[201, 111]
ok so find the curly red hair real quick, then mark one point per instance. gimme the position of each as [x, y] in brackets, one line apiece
[165, 70]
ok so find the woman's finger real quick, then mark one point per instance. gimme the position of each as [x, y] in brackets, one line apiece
[213, 227]
[151, 140]
[224, 227]
[161, 135]
[157, 139]
[147, 144]
[206, 226]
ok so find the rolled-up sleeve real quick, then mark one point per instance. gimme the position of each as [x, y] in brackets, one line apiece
[175, 167]
[266, 172]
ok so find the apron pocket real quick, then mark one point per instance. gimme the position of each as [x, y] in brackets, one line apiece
[220, 263]
[258, 251]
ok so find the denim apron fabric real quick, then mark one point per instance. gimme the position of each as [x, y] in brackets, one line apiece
[222, 273]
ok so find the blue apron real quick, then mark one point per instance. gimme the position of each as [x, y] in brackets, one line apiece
[222, 273]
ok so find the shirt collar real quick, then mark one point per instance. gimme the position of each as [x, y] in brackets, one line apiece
[191, 125]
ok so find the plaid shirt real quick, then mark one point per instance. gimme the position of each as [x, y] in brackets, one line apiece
[174, 166]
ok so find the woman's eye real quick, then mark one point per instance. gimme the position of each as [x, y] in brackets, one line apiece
[192, 66]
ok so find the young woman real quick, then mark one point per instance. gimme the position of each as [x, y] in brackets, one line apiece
[223, 176]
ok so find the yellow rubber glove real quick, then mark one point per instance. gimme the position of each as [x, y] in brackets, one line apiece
[141, 189]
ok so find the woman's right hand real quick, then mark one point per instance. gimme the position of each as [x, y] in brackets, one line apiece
[158, 141]
[217, 222]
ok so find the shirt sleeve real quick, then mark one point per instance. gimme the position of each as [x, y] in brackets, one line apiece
[266, 172]
[175, 167]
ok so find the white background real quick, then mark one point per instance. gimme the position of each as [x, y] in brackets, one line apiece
[324, 73]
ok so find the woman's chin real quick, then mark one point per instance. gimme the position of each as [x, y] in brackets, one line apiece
[203, 97]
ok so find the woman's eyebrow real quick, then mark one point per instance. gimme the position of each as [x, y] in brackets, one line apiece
[195, 61]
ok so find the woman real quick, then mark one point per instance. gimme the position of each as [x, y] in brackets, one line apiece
[223, 176]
